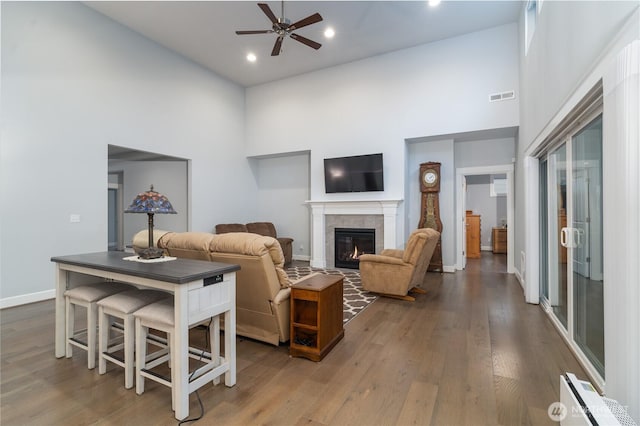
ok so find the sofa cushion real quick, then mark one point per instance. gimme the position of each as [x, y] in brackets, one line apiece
[223, 228]
[186, 240]
[187, 245]
[141, 239]
[262, 228]
[252, 245]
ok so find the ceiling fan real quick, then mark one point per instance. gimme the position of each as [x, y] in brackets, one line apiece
[283, 27]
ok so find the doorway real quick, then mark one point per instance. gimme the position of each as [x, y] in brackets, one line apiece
[464, 175]
[133, 171]
[486, 222]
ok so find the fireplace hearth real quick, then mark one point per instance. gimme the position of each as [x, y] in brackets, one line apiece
[351, 243]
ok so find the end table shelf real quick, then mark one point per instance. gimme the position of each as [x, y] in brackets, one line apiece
[316, 316]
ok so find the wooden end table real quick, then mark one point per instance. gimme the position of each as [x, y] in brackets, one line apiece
[316, 316]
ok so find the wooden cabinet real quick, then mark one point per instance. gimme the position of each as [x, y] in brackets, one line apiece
[316, 316]
[499, 240]
[473, 235]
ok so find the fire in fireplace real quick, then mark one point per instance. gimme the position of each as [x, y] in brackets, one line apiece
[351, 243]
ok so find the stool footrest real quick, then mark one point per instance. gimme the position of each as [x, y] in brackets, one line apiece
[77, 343]
[157, 358]
[207, 376]
[114, 358]
[156, 377]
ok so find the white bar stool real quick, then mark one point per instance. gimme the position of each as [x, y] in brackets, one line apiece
[88, 296]
[122, 305]
[160, 316]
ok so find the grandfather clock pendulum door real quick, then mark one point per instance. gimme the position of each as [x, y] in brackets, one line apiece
[430, 208]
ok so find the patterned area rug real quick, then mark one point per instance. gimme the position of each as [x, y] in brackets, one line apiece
[354, 297]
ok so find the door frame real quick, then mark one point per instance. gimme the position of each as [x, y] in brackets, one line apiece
[118, 188]
[461, 174]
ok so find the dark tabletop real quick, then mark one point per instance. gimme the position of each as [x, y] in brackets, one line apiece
[177, 271]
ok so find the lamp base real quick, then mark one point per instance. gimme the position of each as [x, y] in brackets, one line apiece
[151, 253]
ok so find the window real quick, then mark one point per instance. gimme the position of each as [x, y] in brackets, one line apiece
[530, 14]
[498, 187]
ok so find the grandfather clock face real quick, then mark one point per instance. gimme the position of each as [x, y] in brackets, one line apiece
[430, 177]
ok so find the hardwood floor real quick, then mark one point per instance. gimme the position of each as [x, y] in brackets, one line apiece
[469, 352]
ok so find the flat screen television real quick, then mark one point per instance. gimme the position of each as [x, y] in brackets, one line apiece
[360, 173]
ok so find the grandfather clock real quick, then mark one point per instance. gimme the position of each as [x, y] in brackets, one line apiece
[430, 208]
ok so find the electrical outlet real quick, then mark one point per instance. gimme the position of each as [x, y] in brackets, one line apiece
[301, 247]
[74, 218]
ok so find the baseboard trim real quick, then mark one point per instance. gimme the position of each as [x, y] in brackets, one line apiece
[519, 277]
[486, 248]
[301, 257]
[449, 269]
[9, 302]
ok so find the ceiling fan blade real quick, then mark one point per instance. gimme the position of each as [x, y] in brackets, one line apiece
[254, 32]
[306, 41]
[267, 11]
[277, 46]
[306, 21]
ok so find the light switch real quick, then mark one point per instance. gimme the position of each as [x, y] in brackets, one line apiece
[74, 218]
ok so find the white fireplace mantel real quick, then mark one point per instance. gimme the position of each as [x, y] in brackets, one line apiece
[319, 209]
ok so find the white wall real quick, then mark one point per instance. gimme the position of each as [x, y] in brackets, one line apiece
[481, 152]
[373, 105]
[283, 186]
[575, 45]
[73, 82]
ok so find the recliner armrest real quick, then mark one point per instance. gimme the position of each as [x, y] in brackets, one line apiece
[378, 258]
[393, 253]
[282, 296]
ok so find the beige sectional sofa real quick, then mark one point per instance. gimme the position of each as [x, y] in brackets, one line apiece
[262, 286]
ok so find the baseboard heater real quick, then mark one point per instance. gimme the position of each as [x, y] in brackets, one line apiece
[582, 405]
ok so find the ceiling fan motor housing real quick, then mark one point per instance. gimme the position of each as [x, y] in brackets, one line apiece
[281, 27]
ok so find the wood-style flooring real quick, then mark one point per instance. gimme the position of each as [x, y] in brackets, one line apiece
[469, 352]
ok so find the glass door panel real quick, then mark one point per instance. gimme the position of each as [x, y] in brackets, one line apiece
[587, 237]
[544, 232]
[557, 224]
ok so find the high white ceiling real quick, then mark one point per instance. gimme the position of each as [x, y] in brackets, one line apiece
[204, 31]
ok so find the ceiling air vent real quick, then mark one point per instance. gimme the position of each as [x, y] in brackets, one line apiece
[504, 96]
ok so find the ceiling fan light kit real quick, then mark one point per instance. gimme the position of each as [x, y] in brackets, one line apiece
[284, 28]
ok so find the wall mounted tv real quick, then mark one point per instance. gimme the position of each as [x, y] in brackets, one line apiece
[360, 173]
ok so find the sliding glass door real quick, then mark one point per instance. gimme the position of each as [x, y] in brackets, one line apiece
[571, 239]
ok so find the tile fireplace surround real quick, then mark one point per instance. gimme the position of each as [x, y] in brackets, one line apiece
[381, 215]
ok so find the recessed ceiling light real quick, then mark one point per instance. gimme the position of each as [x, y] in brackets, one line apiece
[251, 57]
[329, 32]
[434, 3]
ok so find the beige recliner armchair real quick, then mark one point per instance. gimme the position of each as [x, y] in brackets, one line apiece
[395, 273]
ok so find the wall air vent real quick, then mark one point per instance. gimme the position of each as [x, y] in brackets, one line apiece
[504, 96]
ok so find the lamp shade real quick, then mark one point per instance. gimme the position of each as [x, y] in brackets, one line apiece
[150, 202]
